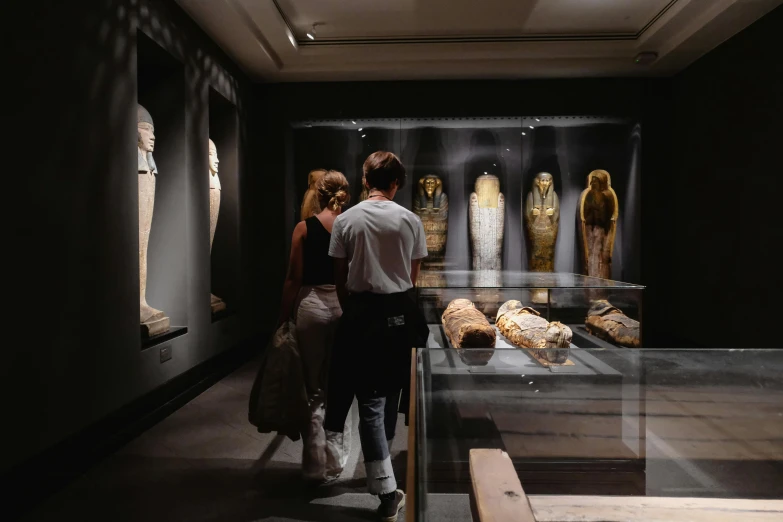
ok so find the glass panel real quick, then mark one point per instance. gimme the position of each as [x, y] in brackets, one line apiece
[509, 279]
[671, 423]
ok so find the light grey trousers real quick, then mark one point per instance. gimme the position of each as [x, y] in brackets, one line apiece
[316, 318]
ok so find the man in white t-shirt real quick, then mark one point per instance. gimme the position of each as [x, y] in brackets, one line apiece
[377, 247]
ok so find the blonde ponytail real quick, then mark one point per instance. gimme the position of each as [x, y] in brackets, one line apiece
[333, 190]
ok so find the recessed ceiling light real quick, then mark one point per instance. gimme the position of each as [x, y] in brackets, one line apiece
[363, 135]
[510, 149]
[538, 119]
[311, 36]
[532, 127]
[353, 122]
[523, 134]
[360, 129]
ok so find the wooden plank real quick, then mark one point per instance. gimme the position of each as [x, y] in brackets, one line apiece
[410, 475]
[549, 508]
[497, 493]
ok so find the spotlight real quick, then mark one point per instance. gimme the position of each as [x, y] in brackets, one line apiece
[353, 122]
[363, 135]
[532, 127]
[523, 134]
[311, 33]
[538, 119]
[360, 129]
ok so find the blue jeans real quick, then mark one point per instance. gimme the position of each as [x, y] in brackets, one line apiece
[377, 424]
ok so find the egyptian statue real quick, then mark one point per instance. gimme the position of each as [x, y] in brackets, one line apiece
[541, 219]
[153, 321]
[486, 216]
[216, 303]
[310, 206]
[432, 206]
[598, 212]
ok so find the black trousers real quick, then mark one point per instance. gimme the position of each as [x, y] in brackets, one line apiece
[371, 354]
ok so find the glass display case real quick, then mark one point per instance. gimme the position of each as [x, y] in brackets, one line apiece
[636, 423]
[566, 298]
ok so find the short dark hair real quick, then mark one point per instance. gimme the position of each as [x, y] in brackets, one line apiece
[381, 168]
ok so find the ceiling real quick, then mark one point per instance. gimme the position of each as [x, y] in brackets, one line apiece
[450, 39]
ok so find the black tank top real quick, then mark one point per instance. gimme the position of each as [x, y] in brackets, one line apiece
[318, 267]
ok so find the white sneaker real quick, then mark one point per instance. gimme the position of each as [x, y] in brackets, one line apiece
[390, 509]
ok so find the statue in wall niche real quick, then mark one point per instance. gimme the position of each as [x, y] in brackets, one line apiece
[153, 321]
[310, 206]
[486, 216]
[598, 213]
[432, 206]
[216, 303]
[541, 219]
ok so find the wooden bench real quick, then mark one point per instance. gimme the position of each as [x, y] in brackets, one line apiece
[497, 496]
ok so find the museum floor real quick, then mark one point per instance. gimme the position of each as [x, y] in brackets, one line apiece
[205, 462]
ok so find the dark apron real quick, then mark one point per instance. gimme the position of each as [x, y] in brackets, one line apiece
[372, 351]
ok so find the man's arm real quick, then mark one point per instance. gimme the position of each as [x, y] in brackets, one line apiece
[340, 279]
[419, 250]
[415, 268]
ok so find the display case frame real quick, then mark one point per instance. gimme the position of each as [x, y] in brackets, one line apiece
[707, 427]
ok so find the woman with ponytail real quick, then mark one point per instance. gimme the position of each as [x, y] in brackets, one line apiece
[310, 299]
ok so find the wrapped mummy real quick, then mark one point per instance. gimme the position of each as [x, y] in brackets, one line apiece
[467, 327]
[611, 324]
[525, 327]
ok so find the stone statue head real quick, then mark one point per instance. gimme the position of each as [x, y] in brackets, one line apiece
[599, 180]
[146, 141]
[544, 182]
[213, 158]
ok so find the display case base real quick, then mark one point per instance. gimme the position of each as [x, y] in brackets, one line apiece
[152, 329]
[585, 339]
[172, 333]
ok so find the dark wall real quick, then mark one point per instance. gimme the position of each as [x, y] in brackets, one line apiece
[646, 101]
[73, 351]
[718, 218]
